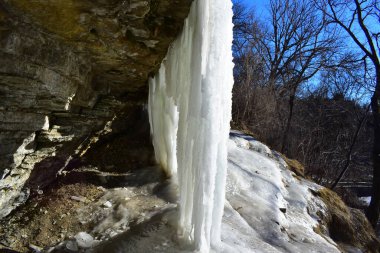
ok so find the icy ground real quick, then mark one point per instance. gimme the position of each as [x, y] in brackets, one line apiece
[267, 210]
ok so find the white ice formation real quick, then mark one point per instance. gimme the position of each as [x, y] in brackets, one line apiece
[189, 112]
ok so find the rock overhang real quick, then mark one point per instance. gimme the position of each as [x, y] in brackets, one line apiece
[67, 69]
[122, 42]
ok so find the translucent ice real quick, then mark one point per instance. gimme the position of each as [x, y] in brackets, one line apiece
[190, 111]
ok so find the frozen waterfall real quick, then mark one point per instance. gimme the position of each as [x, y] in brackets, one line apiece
[190, 112]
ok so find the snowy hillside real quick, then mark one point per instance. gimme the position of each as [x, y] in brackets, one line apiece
[267, 209]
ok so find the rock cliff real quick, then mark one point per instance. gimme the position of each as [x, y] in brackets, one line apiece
[73, 76]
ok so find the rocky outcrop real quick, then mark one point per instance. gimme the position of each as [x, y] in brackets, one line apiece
[73, 73]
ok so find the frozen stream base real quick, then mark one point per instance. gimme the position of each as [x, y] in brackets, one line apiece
[267, 210]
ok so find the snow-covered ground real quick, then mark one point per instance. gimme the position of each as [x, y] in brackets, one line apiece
[267, 210]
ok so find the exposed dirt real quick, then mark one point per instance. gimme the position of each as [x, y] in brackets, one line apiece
[48, 218]
[102, 204]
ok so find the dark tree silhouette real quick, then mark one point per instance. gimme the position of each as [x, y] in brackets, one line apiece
[360, 19]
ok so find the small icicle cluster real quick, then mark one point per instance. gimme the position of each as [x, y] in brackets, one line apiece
[190, 112]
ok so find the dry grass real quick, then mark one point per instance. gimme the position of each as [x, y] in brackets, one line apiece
[295, 166]
[346, 226]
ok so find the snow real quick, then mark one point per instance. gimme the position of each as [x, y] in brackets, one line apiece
[366, 200]
[267, 209]
[189, 112]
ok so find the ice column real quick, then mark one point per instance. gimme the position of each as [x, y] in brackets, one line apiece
[189, 112]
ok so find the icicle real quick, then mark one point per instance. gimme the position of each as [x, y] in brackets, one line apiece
[190, 111]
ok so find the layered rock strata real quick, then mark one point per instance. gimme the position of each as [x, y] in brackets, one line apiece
[68, 71]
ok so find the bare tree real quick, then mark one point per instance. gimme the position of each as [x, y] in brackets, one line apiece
[359, 19]
[297, 46]
[351, 150]
[344, 77]
[248, 69]
[326, 130]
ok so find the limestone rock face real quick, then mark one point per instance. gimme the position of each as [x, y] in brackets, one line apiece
[69, 71]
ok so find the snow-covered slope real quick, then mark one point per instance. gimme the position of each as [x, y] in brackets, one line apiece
[267, 209]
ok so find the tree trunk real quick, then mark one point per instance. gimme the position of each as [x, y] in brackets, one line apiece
[348, 159]
[288, 122]
[373, 210]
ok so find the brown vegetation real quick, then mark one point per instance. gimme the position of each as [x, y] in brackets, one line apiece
[346, 226]
[295, 166]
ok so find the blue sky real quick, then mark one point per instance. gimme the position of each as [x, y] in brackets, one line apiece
[260, 6]
[255, 2]
[261, 9]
